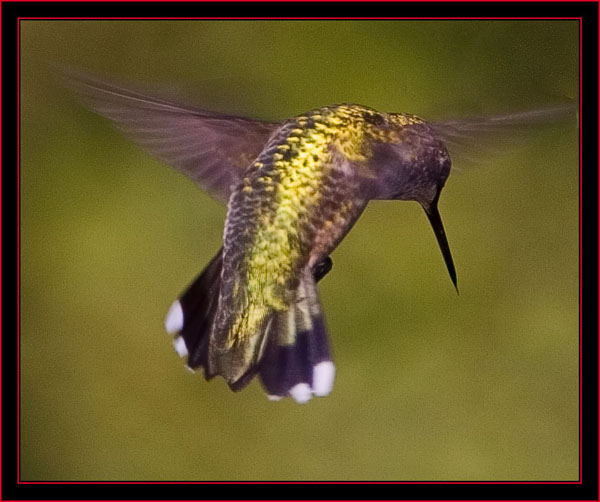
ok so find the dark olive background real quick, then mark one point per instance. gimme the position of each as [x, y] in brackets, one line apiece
[430, 385]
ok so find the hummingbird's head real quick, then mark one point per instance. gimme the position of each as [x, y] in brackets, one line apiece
[413, 164]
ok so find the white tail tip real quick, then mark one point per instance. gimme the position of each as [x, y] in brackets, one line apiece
[323, 377]
[301, 393]
[174, 319]
[180, 348]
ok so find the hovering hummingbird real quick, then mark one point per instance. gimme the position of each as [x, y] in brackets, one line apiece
[293, 190]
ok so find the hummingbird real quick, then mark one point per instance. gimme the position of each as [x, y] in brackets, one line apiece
[294, 189]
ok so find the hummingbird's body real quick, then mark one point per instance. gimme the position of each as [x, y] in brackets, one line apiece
[293, 191]
[294, 205]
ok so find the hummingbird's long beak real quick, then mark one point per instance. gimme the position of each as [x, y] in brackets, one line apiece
[438, 228]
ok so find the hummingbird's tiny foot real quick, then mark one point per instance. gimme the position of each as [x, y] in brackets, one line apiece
[180, 347]
[301, 393]
[323, 376]
[174, 319]
[322, 268]
[274, 398]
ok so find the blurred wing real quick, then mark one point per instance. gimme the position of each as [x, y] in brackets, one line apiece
[210, 148]
[475, 140]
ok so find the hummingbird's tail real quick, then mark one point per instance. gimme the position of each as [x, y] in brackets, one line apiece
[296, 359]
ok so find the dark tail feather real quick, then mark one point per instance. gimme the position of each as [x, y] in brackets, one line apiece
[297, 360]
[191, 316]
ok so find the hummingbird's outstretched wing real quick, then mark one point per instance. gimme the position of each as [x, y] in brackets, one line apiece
[210, 148]
[475, 140]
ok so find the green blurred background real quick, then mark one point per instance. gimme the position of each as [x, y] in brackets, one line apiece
[430, 385]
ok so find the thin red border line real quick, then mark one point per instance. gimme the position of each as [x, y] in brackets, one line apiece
[580, 267]
[1, 244]
[580, 247]
[313, 1]
[18, 253]
[100, 482]
[285, 482]
[422, 18]
[300, 483]
[580, 260]
[311, 18]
